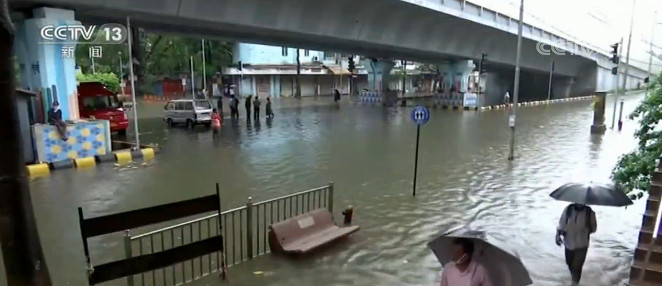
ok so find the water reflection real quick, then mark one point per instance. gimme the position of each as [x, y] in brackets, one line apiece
[464, 179]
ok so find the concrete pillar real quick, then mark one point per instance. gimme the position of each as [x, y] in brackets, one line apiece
[462, 71]
[43, 64]
[598, 126]
[378, 73]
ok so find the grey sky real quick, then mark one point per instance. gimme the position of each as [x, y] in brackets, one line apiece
[598, 22]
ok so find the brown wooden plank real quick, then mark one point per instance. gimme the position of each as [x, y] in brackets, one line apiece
[127, 220]
[140, 264]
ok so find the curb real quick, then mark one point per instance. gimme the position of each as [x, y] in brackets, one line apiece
[534, 103]
[121, 158]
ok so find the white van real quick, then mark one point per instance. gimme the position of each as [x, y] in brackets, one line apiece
[187, 111]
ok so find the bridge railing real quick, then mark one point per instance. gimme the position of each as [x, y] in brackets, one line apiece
[244, 229]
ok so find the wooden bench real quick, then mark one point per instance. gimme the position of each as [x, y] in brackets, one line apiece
[306, 232]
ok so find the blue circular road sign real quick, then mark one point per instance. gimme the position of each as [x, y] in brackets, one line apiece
[420, 115]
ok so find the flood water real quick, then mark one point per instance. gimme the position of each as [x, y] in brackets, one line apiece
[464, 179]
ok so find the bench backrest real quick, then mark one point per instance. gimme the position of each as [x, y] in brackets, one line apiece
[302, 225]
[91, 227]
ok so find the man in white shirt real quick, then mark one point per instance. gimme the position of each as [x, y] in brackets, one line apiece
[576, 225]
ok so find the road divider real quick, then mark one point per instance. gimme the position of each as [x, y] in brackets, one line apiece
[535, 103]
[38, 170]
[122, 158]
[85, 162]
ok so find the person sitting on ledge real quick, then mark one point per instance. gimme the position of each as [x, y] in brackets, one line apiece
[55, 118]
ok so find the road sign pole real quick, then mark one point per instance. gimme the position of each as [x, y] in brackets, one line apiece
[418, 136]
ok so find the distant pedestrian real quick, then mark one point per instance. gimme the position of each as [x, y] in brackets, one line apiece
[270, 112]
[234, 107]
[336, 95]
[216, 121]
[256, 108]
[576, 225]
[506, 98]
[55, 118]
[247, 104]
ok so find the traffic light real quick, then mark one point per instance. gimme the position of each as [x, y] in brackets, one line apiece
[614, 70]
[646, 80]
[481, 65]
[351, 67]
[614, 53]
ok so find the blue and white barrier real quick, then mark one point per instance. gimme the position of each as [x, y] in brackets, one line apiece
[372, 97]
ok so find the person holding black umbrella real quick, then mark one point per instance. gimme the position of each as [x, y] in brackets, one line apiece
[578, 220]
[576, 225]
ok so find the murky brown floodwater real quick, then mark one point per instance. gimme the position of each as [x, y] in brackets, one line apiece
[464, 178]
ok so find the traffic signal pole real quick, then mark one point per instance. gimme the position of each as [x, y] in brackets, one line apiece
[615, 81]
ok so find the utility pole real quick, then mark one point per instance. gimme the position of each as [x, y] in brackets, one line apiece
[513, 112]
[204, 69]
[341, 72]
[93, 69]
[119, 54]
[627, 55]
[404, 78]
[650, 57]
[19, 239]
[192, 79]
[298, 79]
[549, 88]
[133, 85]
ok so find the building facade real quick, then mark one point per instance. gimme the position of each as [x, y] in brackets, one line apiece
[272, 71]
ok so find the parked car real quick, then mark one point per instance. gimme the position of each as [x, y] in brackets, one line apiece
[187, 111]
[95, 101]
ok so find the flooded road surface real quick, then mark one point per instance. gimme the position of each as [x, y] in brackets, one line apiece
[464, 179]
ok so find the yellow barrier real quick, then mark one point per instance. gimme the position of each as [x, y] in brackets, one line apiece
[123, 158]
[37, 170]
[148, 153]
[85, 162]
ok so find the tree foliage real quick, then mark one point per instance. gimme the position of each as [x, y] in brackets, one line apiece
[633, 170]
[163, 56]
[110, 80]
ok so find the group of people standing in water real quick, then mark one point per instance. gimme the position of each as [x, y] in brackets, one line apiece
[252, 105]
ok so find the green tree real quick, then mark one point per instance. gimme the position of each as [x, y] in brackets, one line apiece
[163, 56]
[110, 80]
[633, 170]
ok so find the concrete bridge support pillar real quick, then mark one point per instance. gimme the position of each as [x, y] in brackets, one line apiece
[43, 64]
[378, 73]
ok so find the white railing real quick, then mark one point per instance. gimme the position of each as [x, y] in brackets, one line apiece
[244, 230]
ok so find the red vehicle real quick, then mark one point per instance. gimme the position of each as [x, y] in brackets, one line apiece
[97, 102]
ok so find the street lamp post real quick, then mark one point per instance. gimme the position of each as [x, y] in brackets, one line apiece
[513, 110]
[650, 51]
[133, 86]
[119, 54]
[204, 69]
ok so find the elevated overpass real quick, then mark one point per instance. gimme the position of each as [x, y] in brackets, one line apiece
[419, 30]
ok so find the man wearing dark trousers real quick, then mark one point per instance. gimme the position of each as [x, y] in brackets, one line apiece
[247, 104]
[576, 225]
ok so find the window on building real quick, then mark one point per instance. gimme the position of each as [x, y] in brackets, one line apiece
[284, 51]
[306, 53]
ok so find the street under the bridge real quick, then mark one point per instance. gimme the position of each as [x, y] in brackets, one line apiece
[367, 151]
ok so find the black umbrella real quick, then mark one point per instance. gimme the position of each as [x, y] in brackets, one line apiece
[591, 194]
